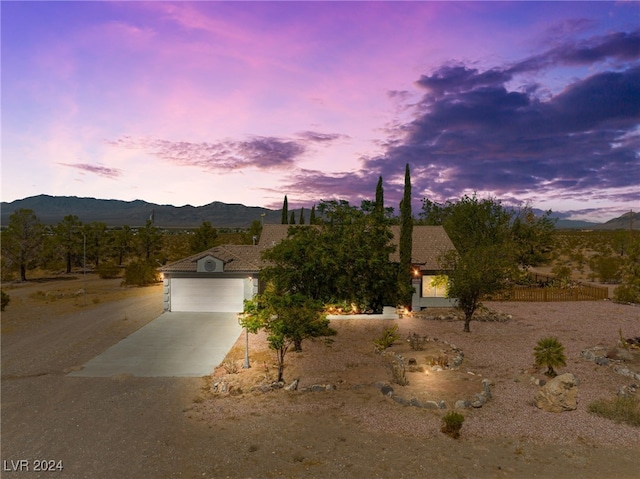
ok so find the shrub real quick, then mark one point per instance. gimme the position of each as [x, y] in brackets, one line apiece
[387, 338]
[620, 409]
[417, 343]
[452, 423]
[549, 352]
[108, 271]
[5, 299]
[399, 372]
[140, 273]
[230, 366]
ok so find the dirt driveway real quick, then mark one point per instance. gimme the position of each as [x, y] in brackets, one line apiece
[129, 427]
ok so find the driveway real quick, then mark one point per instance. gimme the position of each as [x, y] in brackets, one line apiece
[173, 345]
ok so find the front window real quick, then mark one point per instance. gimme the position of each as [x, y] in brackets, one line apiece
[434, 286]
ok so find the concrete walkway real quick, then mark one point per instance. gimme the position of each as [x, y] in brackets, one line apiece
[174, 344]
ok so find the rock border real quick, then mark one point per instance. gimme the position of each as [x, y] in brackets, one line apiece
[591, 354]
[479, 400]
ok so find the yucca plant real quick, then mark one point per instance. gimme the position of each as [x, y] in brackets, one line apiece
[549, 352]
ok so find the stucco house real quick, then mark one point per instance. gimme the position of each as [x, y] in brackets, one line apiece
[221, 278]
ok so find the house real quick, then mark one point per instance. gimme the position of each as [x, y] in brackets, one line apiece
[221, 278]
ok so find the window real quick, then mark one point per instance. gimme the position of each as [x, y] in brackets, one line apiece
[434, 286]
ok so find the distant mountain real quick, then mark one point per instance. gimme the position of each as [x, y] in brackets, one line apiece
[575, 224]
[623, 222]
[52, 209]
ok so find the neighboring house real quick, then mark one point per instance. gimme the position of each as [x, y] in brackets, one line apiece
[221, 278]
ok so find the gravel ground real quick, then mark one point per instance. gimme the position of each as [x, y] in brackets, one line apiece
[173, 427]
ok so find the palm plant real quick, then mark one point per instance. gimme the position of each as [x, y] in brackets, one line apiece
[549, 352]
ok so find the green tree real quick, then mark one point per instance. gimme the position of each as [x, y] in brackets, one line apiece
[629, 290]
[97, 242]
[149, 240]
[301, 219]
[285, 211]
[485, 258]
[292, 218]
[123, 241]
[288, 319]
[203, 238]
[22, 240]
[346, 258]
[406, 243]
[533, 236]
[379, 210]
[312, 216]
[549, 352]
[254, 232]
[69, 236]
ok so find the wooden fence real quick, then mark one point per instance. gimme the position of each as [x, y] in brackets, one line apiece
[546, 293]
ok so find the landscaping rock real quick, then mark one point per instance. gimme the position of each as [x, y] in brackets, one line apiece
[620, 354]
[462, 404]
[387, 390]
[293, 386]
[559, 394]
[430, 405]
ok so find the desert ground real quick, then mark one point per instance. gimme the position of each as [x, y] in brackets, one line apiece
[132, 427]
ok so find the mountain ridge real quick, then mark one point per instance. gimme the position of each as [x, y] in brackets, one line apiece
[52, 209]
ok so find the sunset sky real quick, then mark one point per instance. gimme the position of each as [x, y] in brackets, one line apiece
[243, 102]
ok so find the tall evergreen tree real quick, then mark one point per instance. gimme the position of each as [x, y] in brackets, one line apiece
[285, 211]
[406, 242]
[301, 221]
[379, 205]
[22, 240]
[312, 215]
[292, 218]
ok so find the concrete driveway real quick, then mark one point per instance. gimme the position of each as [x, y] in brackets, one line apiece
[174, 344]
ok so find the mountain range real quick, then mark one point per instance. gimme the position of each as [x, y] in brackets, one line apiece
[52, 209]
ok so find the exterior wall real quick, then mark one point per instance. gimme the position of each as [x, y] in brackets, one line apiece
[251, 284]
[419, 302]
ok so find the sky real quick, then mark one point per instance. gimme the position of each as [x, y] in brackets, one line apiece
[529, 103]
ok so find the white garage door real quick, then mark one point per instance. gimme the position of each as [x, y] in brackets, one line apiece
[207, 294]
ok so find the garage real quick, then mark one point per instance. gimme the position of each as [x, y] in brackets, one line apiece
[224, 295]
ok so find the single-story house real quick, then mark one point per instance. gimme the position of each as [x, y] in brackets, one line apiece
[221, 278]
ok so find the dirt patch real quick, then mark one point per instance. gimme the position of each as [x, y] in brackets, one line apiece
[175, 427]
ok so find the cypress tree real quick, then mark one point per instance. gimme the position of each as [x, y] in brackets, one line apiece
[285, 211]
[301, 221]
[292, 219]
[406, 242]
[379, 206]
[312, 216]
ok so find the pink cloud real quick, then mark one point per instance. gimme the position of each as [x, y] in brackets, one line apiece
[95, 169]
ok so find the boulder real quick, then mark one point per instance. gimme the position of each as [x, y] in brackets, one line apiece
[559, 394]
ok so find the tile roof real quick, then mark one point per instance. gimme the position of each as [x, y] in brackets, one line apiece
[428, 243]
[236, 258]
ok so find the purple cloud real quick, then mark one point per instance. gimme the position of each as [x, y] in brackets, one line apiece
[259, 152]
[97, 170]
[473, 131]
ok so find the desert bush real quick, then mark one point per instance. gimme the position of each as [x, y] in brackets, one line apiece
[417, 343]
[108, 271]
[140, 273]
[452, 423]
[549, 352]
[387, 338]
[620, 409]
[606, 268]
[230, 366]
[398, 372]
[561, 272]
[5, 299]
